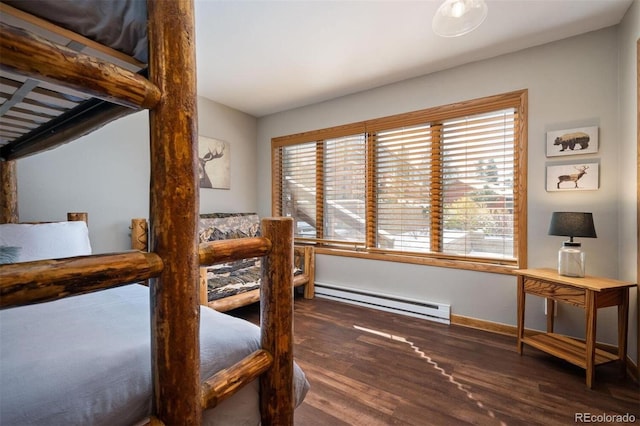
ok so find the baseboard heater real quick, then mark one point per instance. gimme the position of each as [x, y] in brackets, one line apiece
[426, 310]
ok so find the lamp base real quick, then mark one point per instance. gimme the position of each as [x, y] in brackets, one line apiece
[571, 260]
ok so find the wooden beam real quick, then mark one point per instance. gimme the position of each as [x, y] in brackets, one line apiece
[173, 221]
[78, 217]
[30, 55]
[310, 272]
[45, 280]
[9, 192]
[222, 251]
[139, 234]
[226, 382]
[235, 301]
[252, 296]
[276, 322]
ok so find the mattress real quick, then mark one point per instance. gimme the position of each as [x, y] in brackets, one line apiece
[85, 360]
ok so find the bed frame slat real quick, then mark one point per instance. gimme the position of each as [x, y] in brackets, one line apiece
[65, 128]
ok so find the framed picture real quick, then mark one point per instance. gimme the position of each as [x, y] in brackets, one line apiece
[582, 140]
[213, 163]
[573, 177]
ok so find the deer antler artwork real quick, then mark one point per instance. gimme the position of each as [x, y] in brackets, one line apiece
[219, 177]
[582, 170]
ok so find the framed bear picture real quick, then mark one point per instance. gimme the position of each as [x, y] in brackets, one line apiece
[581, 140]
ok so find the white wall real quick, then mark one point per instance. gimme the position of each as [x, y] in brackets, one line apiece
[107, 175]
[239, 130]
[571, 83]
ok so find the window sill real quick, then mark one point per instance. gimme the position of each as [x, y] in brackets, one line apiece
[423, 260]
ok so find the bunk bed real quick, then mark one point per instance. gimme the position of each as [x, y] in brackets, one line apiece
[53, 94]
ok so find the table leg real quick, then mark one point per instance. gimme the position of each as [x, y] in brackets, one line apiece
[521, 305]
[551, 310]
[623, 318]
[591, 314]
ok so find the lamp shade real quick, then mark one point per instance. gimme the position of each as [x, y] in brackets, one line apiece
[572, 224]
[458, 17]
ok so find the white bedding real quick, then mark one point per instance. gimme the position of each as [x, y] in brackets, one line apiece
[46, 240]
[85, 360]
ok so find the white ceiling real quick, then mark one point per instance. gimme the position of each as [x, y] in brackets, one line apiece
[262, 57]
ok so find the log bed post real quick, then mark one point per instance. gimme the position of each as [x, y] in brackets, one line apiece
[276, 322]
[9, 192]
[174, 208]
[78, 217]
[139, 232]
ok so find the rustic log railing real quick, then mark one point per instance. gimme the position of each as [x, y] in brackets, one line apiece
[276, 321]
[222, 251]
[47, 280]
[225, 383]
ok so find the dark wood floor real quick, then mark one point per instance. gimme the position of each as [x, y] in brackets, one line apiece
[368, 367]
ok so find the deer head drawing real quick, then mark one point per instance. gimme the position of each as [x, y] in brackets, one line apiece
[205, 182]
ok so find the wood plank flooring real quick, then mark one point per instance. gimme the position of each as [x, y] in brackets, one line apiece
[368, 367]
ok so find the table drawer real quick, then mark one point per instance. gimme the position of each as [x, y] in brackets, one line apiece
[568, 294]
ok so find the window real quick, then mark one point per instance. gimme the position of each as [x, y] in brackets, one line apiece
[344, 188]
[445, 185]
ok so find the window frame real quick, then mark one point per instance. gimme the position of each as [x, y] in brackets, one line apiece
[516, 99]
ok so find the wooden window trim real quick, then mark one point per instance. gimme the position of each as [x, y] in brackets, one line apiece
[516, 99]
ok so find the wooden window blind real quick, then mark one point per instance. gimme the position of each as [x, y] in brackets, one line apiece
[344, 188]
[477, 172]
[403, 187]
[297, 182]
[446, 183]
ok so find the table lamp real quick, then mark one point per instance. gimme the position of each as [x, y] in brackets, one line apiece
[571, 258]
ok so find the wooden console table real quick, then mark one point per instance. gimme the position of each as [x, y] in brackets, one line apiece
[588, 293]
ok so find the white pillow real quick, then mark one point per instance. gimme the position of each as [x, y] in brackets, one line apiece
[46, 240]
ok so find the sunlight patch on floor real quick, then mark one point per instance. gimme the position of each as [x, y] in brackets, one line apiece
[435, 365]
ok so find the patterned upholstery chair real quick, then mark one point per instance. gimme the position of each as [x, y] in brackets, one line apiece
[234, 284]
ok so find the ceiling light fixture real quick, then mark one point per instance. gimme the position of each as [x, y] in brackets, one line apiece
[459, 17]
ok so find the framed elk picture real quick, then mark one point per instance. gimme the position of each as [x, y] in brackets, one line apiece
[573, 177]
[582, 140]
[213, 163]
